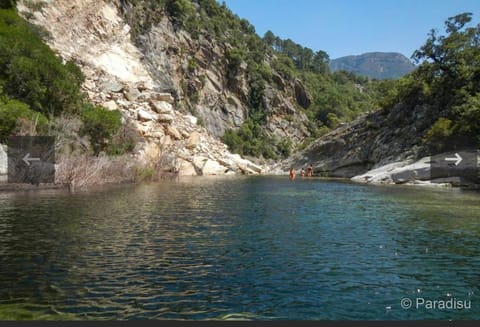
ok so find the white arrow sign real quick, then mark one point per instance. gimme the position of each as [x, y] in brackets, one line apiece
[27, 159]
[457, 159]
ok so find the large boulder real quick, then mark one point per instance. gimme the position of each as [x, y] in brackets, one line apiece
[212, 167]
[397, 173]
[112, 86]
[110, 105]
[165, 118]
[173, 132]
[192, 120]
[245, 165]
[167, 97]
[132, 94]
[193, 141]
[143, 115]
[162, 107]
[186, 168]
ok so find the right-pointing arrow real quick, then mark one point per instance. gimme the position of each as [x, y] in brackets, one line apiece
[457, 159]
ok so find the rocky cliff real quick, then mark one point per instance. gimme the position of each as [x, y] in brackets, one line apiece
[194, 71]
[384, 147]
[372, 140]
[171, 86]
[143, 86]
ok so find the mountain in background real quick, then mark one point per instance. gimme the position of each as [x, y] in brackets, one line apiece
[378, 65]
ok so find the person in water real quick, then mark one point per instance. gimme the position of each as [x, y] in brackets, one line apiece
[303, 172]
[310, 171]
[292, 173]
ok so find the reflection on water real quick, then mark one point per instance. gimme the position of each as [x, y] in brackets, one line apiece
[240, 248]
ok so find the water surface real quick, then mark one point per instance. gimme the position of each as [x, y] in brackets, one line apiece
[240, 248]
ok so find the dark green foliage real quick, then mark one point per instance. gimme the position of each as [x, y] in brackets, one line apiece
[12, 112]
[250, 139]
[32, 73]
[179, 10]
[285, 148]
[35, 84]
[448, 79]
[234, 57]
[101, 125]
[7, 4]
[124, 140]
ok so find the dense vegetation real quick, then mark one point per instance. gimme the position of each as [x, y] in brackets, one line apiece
[336, 97]
[35, 97]
[37, 88]
[448, 81]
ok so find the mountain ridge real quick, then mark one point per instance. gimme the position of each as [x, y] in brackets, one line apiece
[377, 65]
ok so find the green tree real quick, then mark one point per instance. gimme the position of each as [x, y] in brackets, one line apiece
[179, 10]
[450, 62]
[269, 38]
[101, 125]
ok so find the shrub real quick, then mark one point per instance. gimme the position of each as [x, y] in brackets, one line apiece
[144, 174]
[179, 10]
[285, 147]
[440, 130]
[12, 112]
[124, 140]
[101, 125]
[332, 120]
[438, 135]
[251, 139]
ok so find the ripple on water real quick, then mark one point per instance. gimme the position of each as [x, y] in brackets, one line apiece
[240, 249]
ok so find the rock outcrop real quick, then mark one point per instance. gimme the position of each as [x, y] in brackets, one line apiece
[3, 163]
[194, 72]
[95, 36]
[381, 147]
[372, 140]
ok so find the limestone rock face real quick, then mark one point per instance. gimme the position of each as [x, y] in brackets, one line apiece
[145, 84]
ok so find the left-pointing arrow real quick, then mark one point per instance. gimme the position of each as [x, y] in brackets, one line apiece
[27, 159]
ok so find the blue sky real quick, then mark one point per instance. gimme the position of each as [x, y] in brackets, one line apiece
[352, 27]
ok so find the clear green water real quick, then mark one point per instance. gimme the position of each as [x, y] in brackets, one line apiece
[239, 248]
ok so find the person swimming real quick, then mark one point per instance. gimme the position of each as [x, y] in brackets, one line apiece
[292, 173]
[303, 172]
[310, 171]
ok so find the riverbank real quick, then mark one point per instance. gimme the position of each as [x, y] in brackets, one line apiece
[431, 171]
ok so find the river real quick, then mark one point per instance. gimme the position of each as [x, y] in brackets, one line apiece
[241, 248]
